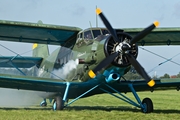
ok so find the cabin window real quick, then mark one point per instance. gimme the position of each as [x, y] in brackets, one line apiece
[79, 35]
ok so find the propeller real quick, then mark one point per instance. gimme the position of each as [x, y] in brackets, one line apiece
[143, 33]
[107, 24]
[124, 47]
[105, 62]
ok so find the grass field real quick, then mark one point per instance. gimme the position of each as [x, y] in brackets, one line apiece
[102, 107]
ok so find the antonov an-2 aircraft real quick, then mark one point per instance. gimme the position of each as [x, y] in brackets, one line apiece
[101, 56]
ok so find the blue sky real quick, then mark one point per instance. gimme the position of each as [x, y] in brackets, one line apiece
[120, 13]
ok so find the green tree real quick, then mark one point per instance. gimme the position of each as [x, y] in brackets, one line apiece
[165, 76]
[132, 76]
[178, 75]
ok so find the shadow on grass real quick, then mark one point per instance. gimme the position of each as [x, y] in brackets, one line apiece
[119, 108]
[101, 108]
[28, 108]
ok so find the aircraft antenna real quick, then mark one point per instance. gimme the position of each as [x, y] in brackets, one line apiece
[96, 18]
[91, 29]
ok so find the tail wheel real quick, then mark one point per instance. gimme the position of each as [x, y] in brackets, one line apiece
[58, 103]
[148, 105]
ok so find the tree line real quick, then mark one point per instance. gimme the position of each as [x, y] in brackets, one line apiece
[133, 75]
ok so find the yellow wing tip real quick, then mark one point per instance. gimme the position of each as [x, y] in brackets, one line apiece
[91, 74]
[151, 83]
[34, 46]
[98, 11]
[156, 23]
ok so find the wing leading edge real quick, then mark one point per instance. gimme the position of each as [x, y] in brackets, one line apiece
[38, 33]
[159, 36]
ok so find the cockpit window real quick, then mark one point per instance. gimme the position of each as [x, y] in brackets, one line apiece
[104, 32]
[96, 33]
[88, 35]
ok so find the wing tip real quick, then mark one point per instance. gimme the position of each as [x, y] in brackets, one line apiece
[151, 83]
[34, 46]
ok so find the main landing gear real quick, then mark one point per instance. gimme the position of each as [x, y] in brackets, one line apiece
[58, 103]
[145, 105]
[43, 103]
[148, 105]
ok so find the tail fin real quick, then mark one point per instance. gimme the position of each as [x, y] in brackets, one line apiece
[40, 50]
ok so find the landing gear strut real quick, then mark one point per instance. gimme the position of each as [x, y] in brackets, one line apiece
[146, 105]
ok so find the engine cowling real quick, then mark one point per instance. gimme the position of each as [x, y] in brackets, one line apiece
[122, 47]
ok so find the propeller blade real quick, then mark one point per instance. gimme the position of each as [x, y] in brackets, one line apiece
[143, 33]
[105, 62]
[140, 70]
[107, 24]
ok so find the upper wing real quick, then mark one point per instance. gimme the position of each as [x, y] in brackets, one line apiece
[38, 33]
[159, 36]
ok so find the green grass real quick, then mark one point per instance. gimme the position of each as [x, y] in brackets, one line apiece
[103, 107]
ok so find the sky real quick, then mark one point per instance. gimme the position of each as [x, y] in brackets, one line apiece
[78, 13]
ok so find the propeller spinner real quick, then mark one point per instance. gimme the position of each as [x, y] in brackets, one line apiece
[123, 48]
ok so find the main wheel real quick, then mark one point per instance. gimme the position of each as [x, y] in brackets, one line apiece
[58, 103]
[148, 105]
[44, 104]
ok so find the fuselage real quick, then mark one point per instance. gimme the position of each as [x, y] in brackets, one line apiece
[88, 51]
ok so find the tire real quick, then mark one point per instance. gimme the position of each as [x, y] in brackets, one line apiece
[148, 105]
[58, 103]
[44, 104]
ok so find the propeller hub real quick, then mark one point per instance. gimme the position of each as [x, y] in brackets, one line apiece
[122, 47]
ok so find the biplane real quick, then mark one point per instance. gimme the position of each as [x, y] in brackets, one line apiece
[87, 62]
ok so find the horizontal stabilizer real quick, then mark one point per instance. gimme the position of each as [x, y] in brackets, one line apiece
[19, 62]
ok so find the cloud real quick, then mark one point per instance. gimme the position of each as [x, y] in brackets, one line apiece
[176, 12]
[75, 10]
[78, 10]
